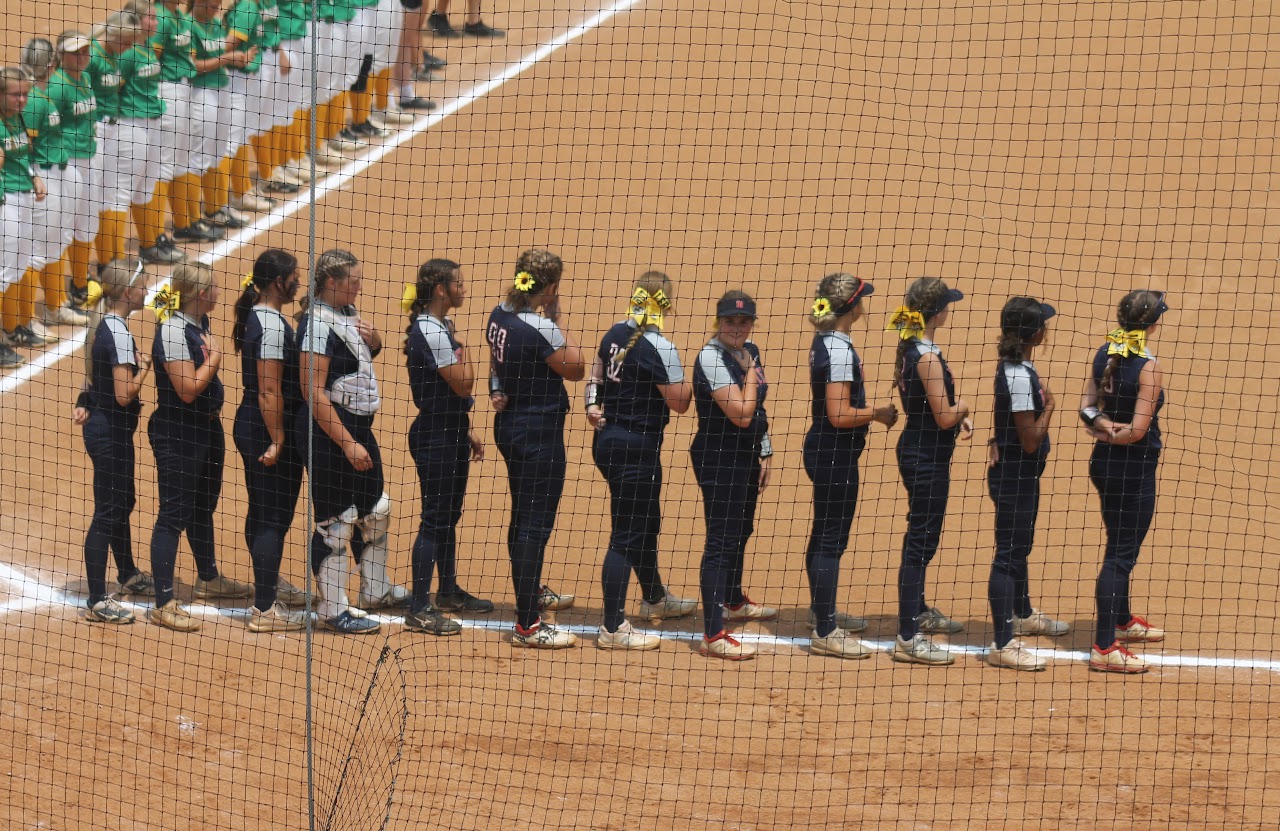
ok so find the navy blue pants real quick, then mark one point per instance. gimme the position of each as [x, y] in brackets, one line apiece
[108, 438]
[632, 465]
[831, 461]
[1125, 478]
[441, 451]
[729, 477]
[1014, 487]
[335, 484]
[190, 451]
[533, 446]
[273, 499]
[927, 478]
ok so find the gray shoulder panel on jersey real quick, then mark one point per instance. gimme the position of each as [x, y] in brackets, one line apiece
[550, 332]
[669, 355]
[437, 338]
[273, 334]
[840, 351]
[173, 340]
[712, 361]
[316, 338]
[121, 342]
[1021, 391]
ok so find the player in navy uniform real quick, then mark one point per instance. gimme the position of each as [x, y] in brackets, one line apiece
[335, 437]
[186, 436]
[1121, 405]
[531, 358]
[441, 442]
[264, 420]
[636, 383]
[934, 418]
[108, 411]
[1015, 462]
[832, 447]
[730, 454]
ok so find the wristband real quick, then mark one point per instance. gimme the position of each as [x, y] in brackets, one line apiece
[594, 396]
[1089, 415]
[766, 447]
[495, 385]
[84, 401]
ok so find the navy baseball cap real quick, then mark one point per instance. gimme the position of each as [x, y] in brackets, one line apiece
[946, 300]
[736, 307]
[1025, 315]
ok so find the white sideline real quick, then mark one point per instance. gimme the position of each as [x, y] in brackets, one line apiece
[37, 595]
[341, 177]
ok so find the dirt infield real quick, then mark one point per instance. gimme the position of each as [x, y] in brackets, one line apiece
[1069, 151]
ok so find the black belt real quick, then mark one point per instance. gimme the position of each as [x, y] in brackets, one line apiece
[62, 166]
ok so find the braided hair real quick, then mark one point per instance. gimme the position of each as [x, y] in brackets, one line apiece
[925, 295]
[652, 282]
[1136, 310]
[837, 289]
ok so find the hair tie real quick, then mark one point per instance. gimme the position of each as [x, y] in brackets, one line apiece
[246, 283]
[821, 308]
[166, 302]
[525, 282]
[647, 309]
[909, 323]
[1126, 342]
[409, 297]
[93, 293]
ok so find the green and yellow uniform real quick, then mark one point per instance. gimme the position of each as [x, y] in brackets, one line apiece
[209, 40]
[78, 110]
[246, 26]
[15, 176]
[172, 44]
[140, 97]
[270, 10]
[106, 80]
[336, 11]
[292, 19]
[44, 128]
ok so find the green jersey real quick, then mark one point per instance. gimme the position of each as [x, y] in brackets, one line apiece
[15, 176]
[270, 23]
[104, 76]
[244, 25]
[44, 128]
[78, 111]
[172, 43]
[293, 19]
[336, 11]
[140, 97]
[210, 40]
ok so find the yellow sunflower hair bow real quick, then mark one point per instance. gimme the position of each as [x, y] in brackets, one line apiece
[246, 283]
[409, 297]
[93, 293]
[910, 324]
[647, 309]
[525, 282]
[1127, 342]
[821, 308]
[166, 302]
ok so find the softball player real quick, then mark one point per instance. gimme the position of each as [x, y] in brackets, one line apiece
[187, 439]
[272, 470]
[291, 100]
[730, 454]
[934, 418]
[832, 447]
[531, 358]
[1121, 407]
[636, 382]
[336, 351]
[106, 177]
[441, 441]
[251, 110]
[20, 188]
[472, 27]
[337, 69]
[50, 218]
[108, 411]
[210, 105]
[1016, 460]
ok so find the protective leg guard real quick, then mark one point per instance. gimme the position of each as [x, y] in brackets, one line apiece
[333, 571]
[376, 589]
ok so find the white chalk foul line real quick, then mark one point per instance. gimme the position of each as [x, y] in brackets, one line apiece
[35, 595]
[342, 177]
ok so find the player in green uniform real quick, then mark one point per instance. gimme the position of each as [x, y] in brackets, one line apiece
[112, 38]
[210, 109]
[20, 188]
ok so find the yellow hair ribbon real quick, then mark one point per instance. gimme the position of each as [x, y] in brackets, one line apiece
[409, 297]
[246, 283]
[525, 282]
[93, 293]
[821, 308]
[910, 324]
[166, 302]
[1127, 342]
[647, 309]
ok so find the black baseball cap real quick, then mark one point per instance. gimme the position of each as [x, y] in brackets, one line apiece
[1025, 315]
[951, 296]
[736, 307]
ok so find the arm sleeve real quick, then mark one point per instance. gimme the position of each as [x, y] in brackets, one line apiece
[843, 361]
[552, 338]
[666, 360]
[123, 350]
[315, 339]
[1021, 388]
[274, 334]
[439, 344]
[173, 341]
[714, 368]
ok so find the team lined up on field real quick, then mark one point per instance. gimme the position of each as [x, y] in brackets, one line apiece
[316, 389]
[166, 115]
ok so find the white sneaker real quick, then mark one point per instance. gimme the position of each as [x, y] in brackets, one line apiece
[543, 635]
[285, 175]
[920, 650]
[1116, 658]
[667, 608]
[395, 596]
[42, 332]
[627, 638]
[394, 118]
[276, 619]
[300, 169]
[749, 610]
[1015, 655]
[252, 203]
[726, 647]
[65, 316]
[838, 643]
[328, 157]
[1038, 623]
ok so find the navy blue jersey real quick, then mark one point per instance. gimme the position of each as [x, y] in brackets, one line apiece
[631, 396]
[1121, 400]
[715, 369]
[921, 429]
[432, 347]
[181, 338]
[113, 346]
[833, 360]
[269, 337]
[520, 343]
[1018, 390]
